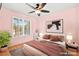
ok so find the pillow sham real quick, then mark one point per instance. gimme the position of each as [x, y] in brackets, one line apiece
[56, 38]
[46, 36]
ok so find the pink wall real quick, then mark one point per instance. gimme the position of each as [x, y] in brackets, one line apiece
[69, 21]
[77, 24]
[6, 24]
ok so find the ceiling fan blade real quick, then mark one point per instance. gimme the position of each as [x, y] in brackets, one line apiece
[42, 5]
[46, 11]
[30, 6]
[31, 12]
[37, 5]
[0, 5]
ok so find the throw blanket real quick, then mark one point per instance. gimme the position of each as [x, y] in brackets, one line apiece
[50, 49]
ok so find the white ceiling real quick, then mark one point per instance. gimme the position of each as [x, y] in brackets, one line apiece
[52, 7]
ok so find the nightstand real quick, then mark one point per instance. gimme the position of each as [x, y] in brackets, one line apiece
[73, 46]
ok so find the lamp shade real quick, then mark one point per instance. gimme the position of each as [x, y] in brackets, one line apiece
[69, 37]
[41, 34]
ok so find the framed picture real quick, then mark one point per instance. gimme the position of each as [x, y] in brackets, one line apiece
[55, 26]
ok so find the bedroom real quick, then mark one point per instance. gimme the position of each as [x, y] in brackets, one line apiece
[38, 28]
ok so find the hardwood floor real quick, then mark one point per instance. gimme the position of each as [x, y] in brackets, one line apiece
[15, 47]
[7, 53]
[73, 52]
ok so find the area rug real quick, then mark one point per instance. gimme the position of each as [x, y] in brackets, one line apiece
[17, 52]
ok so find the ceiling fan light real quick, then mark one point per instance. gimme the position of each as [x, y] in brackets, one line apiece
[37, 12]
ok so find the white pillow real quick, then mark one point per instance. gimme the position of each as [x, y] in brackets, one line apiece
[60, 43]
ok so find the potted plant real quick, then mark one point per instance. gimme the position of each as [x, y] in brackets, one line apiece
[4, 40]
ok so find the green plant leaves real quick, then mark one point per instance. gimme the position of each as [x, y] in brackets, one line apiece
[5, 38]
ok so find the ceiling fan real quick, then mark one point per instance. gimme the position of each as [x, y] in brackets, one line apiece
[38, 9]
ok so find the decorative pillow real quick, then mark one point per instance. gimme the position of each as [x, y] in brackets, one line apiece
[56, 38]
[46, 36]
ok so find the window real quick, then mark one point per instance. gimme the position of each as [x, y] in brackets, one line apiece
[21, 27]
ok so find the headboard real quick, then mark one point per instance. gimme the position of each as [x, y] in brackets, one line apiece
[52, 37]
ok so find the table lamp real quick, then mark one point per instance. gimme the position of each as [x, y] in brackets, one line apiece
[69, 38]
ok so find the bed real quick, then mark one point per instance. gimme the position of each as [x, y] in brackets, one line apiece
[43, 48]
